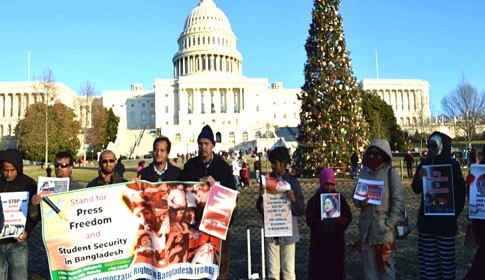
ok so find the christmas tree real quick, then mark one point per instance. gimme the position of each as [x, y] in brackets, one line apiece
[332, 126]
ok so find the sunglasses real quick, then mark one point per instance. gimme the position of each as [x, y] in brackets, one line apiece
[104, 161]
[61, 165]
[374, 154]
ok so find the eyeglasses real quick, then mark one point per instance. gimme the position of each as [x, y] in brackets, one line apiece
[61, 165]
[374, 154]
[104, 161]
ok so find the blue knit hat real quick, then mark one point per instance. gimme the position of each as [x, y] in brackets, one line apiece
[207, 133]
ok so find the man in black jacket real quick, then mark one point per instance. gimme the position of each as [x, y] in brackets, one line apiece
[208, 167]
[107, 173]
[13, 251]
[160, 169]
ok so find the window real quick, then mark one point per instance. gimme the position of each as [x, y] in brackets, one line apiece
[178, 138]
[245, 136]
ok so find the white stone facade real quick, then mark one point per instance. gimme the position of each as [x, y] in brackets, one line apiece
[208, 88]
[15, 97]
[409, 99]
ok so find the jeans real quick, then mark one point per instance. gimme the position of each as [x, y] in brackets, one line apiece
[280, 258]
[258, 173]
[236, 180]
[14, 261]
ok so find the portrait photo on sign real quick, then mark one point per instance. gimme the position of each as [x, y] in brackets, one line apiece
[330, 205]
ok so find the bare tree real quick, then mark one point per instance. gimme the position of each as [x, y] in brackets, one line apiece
[423, 121]
[87, 94]
[464, 106]
[47, 93]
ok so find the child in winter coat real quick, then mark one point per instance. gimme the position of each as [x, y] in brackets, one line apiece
[327, 240]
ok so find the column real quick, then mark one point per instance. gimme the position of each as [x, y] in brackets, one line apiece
[2, 105]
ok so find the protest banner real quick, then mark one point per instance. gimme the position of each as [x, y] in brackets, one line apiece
[368, 189]
[438, 192]
[476, 198]
[277, 214]
[129, 231]
[218, 211]
[15, 205]
[330, 205]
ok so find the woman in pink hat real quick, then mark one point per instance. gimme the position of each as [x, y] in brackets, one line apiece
[327, 240]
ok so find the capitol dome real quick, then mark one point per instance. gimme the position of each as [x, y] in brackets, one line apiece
[207, 44]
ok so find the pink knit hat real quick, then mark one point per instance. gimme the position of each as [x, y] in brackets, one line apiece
[327, 176]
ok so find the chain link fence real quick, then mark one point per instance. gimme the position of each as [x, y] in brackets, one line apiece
[248, 218]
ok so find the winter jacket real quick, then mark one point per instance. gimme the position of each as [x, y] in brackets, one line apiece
[171, 174]
[20, 184]
[376, 222]
[98, 181]
[297, 210]
[441, 225]
[327, 239]
[194, 169]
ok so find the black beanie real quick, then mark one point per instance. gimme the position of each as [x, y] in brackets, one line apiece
[207, 133]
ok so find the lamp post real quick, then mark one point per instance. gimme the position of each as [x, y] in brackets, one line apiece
[46, 127]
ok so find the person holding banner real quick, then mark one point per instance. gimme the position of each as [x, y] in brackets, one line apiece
[107, 173]
[327, 236]
[161, 169]
[280, 251]
[208, 167]
[13, 250]
[477, 270]
[436, 243]
[377, 220]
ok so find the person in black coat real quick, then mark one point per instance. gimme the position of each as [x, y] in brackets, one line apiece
[208, 167]
[14, 257]
[436, 243]
[161, 169]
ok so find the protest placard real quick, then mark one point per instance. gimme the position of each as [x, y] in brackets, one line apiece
[330, 205]
[476, 198]
[15, 206]
[218, 211]
[438, 192]
[370, 190]
[277, 214]
[49, 185]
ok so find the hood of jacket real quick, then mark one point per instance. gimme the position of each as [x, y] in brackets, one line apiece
[14, 157]
[445, 152]
[382, 145]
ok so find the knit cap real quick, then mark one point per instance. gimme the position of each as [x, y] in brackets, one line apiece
[207, 133]
[327, 176]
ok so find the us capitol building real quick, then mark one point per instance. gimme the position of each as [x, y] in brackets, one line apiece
[208, 87]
